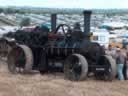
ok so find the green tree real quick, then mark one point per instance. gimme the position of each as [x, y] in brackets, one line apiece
[25, 22]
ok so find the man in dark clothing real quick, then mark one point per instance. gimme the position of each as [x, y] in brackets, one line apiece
[77, 32]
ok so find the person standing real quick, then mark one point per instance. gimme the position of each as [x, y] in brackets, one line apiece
[126, 67]
[120, 60]
[111, 51]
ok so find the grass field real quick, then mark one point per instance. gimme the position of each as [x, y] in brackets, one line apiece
[55, 85]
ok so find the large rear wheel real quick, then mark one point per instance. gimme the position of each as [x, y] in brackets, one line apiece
[76, 67]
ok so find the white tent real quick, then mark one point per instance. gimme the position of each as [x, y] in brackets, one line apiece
[113, 24]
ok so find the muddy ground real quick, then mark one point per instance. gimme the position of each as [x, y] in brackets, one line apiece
[55, 85]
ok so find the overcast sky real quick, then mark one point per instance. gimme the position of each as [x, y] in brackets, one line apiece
[104, 4]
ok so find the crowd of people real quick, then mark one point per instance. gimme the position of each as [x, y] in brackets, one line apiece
[121, 57]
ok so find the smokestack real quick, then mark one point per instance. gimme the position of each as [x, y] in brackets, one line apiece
[53, 22]
[87, 19]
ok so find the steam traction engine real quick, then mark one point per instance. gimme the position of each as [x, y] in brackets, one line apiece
[69, 51]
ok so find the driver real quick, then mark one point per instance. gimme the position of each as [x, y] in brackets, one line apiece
[77, 27]
[76, 34]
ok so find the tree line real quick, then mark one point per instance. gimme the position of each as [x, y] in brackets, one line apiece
[41, 10]
[11, 11]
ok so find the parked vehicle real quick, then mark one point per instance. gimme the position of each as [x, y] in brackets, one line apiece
[69, 51]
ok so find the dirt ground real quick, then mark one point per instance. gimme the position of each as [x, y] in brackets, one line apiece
[55, 85]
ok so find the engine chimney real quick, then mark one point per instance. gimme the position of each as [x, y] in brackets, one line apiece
[53, 22]
[87, 19]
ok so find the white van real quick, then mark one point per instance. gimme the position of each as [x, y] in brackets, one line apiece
[101, 37]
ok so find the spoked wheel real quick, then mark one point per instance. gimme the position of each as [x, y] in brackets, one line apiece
[20, 59]
[76, 67]
[110, 68]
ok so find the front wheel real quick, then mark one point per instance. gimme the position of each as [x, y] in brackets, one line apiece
[109, 65]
